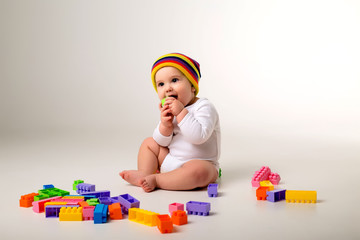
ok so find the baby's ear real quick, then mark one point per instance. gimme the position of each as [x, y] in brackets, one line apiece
[193, 89]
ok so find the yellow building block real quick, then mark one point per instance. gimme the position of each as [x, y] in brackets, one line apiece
[74, 197]
[71, 214]
[142, 216]
[300, 196]
[267, 184]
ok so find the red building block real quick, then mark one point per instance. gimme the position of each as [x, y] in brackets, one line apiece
[115, 211]
[179, 217]
[26, 200]
[261, 193]
[164, 223]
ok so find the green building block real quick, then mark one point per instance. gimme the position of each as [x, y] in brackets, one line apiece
[76, 182]
[93, 201]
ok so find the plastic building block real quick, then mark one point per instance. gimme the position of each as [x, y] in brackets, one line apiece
[268, 184]
[274, 178]
[61, 203]
[276, 195]
[179, 217]
[143, 216]
[74, 197]
[261, 193]
[52, 211]
[83, 204]
[26, 200]
[76, 182]
[127, 202]
[212, 190]
[163, 101]
[300, 196]
[68, 200]
[97, 194]
[175, 207]
[93, 201]
[100, 213]
[48, 186]
[220, 172]
[50, 192]
[115, 211]
[261, 175]
[85, 187]
[39, 206]
[105, 200]
[71, 214]
[198, 208]
[88, 213]
[164, 223]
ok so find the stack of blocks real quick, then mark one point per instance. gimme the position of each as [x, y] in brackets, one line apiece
[264, 180]
[99, 207]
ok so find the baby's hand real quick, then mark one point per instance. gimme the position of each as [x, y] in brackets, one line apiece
[166, 117]
[175, 105]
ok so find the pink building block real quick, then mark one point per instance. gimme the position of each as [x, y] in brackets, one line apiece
[39, 206]
[261, 175]
[175, 207]
[69, 201]
[274, 178]
[88, 213]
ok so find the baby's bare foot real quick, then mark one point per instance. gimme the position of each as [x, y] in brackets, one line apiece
[148, 183]
[132, 176]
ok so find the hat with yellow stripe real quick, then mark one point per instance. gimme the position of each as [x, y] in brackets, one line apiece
[189, 67]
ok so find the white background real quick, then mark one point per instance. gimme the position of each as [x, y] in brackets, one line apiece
[76, 100]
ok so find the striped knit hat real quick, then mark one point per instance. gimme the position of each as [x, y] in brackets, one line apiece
[189, 67]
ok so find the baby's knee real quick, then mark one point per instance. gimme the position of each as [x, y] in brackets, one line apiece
[203, 175]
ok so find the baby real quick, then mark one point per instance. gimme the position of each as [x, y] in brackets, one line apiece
[184, 150]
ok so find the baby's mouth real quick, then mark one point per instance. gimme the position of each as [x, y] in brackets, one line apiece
[174, 96]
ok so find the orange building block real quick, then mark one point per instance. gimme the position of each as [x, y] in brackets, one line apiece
[164, 223]
[115, 211]
[179, 217]
[26, 200]
[261, 193]
[83, 204]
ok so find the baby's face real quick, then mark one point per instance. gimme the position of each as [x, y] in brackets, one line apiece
[170, 82]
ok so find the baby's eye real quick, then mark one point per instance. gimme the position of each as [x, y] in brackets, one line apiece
[175, 80]
[160, 84]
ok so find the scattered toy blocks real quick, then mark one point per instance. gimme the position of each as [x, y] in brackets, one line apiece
[71, 214]
[261, 193]
[100, 213]
[115, 211]
[164, 223]
[142, 216]
[276, 195]
[179, 217]
[212, 190]
[27, 200]
[198, 208]
[175, 207]
[268, 184]
[293, 196]
[88, 213]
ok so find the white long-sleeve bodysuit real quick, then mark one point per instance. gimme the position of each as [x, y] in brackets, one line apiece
[197, 136]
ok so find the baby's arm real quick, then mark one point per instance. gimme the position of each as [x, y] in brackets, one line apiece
[166, 120]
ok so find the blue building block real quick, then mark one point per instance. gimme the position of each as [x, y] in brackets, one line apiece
[198, 208]
[97, 194]
[100, 213]
[212, 190]
[48, 186]
[52, 211]
[126, 201]
[276, 195]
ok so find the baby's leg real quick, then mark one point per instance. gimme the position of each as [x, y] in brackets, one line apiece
[193, 174]
[150, 157]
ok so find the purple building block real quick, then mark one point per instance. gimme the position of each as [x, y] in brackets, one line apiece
[85, 188]
[276, 195]
[52, 211]
[97, 194]
[198, 208]
[105, 200]
[127, 201]
[212, 190]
